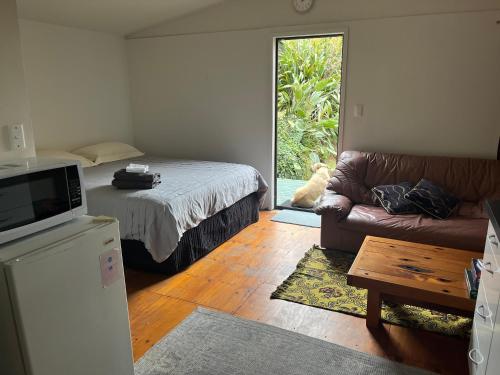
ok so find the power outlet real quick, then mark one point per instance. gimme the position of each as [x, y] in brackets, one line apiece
[17, 140]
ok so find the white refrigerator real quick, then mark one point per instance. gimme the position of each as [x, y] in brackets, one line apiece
[63, 303]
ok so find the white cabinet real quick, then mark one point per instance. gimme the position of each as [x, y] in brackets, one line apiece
[63, 303]
[484, 349]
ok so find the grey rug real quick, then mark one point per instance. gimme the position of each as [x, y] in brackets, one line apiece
[211, 343]
[308, 219]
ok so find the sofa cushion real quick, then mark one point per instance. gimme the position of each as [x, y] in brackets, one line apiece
[472, 210]
[471, 180]
[348, 178]
[432, 199]
[457, 231]
[330, 201]
[392, 198]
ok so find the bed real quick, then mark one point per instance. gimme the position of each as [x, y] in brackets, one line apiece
[198, 206]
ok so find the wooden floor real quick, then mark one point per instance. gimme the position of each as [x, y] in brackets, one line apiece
[238, 278]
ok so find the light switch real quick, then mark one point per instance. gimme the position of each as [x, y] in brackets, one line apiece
[16, 135]
[358, 110]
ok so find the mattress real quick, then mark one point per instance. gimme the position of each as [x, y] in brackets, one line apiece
[190, 192]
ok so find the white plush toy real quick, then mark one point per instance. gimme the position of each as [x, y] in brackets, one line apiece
[306, 195]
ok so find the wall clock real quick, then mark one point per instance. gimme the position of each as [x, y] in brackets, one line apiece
[302, 6]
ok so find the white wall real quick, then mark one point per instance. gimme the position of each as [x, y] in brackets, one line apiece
[78, 85]
[204, 97]
[429, 84]
[14, 107]
[258, 14]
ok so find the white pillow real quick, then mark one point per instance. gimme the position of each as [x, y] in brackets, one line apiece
[60, 154]
[108, 151]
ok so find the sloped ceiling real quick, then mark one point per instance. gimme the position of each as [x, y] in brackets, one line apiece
[115, 16]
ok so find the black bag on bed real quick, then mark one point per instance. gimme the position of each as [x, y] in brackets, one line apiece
[122, 174]
[124, 184]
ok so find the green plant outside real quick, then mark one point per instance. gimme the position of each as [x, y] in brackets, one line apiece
[309, 76]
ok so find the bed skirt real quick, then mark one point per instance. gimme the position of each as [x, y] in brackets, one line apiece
[196, 242]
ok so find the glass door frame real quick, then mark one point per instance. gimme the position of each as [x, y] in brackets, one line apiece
[291, 36]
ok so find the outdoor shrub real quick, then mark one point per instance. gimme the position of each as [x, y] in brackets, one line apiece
[309, 77]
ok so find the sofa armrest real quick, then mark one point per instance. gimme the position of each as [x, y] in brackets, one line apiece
[330, 201]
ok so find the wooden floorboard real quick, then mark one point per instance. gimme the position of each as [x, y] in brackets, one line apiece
[239, 277]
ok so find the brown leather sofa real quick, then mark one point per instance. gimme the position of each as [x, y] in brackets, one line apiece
[349, 210]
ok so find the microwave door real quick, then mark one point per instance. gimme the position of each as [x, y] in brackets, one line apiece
[33, 197]
[49, 193]
[15, 204]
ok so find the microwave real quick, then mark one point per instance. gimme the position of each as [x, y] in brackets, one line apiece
[37, 194]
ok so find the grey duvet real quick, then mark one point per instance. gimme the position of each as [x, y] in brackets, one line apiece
[190, 192]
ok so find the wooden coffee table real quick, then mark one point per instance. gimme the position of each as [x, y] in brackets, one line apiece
[413, 274]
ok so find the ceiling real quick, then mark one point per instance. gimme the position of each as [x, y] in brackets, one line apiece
[116, 16]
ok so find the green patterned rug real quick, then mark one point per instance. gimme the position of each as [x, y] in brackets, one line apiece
[320, 280]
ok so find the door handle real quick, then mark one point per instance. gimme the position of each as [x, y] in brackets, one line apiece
[471, 356]
[488, 266]
[483, 312]
[6, 219]
[493, 240]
